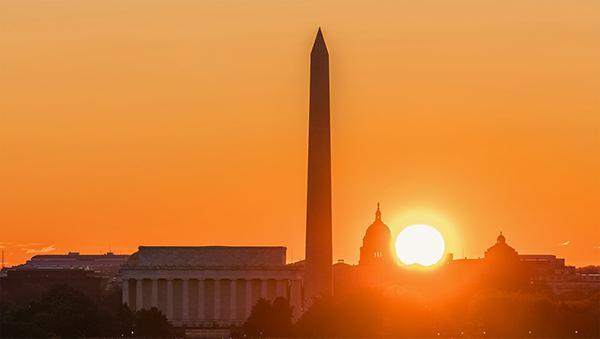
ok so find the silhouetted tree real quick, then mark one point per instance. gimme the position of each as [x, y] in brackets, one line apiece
[270, 319]
[65, 312]
[124, 321]
[579, 316]
[501, 313]
[357, 314]
[282, 318]
[61, 311]
[258, 320]
[151, 323]
[415, 313]
[388, 312]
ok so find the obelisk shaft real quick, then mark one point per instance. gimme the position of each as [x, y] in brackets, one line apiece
[318, 269]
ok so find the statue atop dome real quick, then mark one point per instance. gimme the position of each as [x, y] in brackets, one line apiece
[376, 250]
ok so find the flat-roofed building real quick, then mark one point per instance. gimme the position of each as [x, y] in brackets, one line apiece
[211, 286]
[105, 265]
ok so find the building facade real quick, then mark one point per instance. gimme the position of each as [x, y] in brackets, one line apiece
[212, 286]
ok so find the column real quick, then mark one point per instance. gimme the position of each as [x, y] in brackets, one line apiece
[139, 304]
[170, 299]
[154, 293]
[248, 297]
[217, 299]
[126, 291]
[185, 304]
[263, 288]
[280, 284]
[201, 298]
[233, 299]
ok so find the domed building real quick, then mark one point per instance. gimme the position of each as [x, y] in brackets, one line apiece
[376, 251]
[501, 252]
[502, 266]
[376, 266]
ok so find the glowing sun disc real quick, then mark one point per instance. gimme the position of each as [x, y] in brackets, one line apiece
[420, 244]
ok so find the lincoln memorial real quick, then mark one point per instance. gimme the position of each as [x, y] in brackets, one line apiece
[209, 286]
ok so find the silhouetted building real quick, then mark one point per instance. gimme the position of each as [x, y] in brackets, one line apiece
[543, 266]
[376, 252]
[104, 265]
[318, 272]
[377, 266]
[25, 285]
[503, 267]
[548, 270]
[211, 286]
[501, 252]
[344, 278]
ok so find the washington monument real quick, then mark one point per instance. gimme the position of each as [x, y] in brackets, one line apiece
[318, 271]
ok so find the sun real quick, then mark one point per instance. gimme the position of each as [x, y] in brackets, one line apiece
[420, 244]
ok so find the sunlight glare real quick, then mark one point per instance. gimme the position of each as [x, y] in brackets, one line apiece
[420, 244]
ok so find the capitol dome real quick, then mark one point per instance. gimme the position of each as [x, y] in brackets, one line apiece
[377, 231]
[377, 243]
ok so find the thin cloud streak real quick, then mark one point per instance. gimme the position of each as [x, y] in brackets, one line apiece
[41, 250]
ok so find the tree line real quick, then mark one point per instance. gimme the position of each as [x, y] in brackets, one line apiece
[66, 312]
[383, 312]
[474, 313]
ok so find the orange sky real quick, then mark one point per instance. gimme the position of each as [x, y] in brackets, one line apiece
[130, 122]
